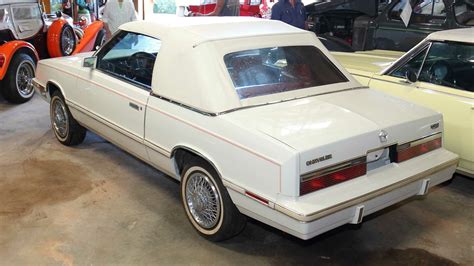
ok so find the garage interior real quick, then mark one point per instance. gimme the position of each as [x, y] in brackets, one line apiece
[95, 204]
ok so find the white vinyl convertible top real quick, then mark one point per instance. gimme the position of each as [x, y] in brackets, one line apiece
[190, 69]
[456, 35]
[202, 29]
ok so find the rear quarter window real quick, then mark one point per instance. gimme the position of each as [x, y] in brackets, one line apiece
[273, 70]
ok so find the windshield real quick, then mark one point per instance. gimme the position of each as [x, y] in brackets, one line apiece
[279, 69]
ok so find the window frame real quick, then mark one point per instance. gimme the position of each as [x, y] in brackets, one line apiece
[331, 64]
[109, 46]
[444, 18]
[408, 57]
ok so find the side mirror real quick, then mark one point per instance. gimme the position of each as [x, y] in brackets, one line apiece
[411, 76]
[89, 62]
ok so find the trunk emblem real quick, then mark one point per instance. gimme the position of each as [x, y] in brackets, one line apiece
[383, 136]
[318, 160]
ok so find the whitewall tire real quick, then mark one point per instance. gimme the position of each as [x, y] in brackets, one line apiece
[207, 204]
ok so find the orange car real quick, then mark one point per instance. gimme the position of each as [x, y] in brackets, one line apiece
[27, 35]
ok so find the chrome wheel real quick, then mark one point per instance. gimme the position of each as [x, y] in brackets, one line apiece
[68, 40]
[60, 119]
[203, 200]
[24, 76]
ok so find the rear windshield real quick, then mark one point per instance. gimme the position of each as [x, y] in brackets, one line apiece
[279, 69]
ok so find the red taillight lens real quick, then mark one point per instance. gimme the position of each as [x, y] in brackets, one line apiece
[333, 178]
[2, 60]
[413, 150]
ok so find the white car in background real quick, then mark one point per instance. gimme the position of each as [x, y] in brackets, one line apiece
[254, 117]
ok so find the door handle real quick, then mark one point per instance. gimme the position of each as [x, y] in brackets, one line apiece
[134, 106]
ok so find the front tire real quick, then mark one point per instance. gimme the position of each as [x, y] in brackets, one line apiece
[207, 204]
[67, 41]
[66, 129]
[17, 85]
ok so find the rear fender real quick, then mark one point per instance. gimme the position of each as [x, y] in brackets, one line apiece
[86, 44]
[9, 49]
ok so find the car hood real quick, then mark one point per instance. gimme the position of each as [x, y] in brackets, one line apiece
[344, 124]
[369, 61]
[368, 7]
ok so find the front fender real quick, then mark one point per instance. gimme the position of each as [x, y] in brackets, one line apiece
[86, 44]
[8, 50]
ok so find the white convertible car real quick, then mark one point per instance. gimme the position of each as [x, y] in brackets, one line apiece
[254, 117]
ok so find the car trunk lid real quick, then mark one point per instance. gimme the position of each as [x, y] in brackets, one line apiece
[340, 126]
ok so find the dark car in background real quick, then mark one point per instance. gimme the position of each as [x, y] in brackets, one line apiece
[381, 24]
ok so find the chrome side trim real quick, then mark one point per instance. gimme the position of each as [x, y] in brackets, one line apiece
[183, 105]
[305, 218]
[121, 130]
[197, 110]
[41, 88]
[157, 148]
[102, 120]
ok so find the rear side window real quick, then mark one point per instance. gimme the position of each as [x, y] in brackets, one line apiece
[279, 69]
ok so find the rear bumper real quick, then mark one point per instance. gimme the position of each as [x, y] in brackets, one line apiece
[316, 213]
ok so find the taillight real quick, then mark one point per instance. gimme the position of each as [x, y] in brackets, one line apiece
[2, 60]
[339, 173]
[333, 175]
[419, 147]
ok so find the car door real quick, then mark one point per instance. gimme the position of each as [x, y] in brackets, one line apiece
[425, 17]
[115, 93]
[445, 83]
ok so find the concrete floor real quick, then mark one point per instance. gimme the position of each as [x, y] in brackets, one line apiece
[95, 204]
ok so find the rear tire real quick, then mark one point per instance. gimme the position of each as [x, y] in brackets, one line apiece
[17, 84]
[207, 204]
[66, 129]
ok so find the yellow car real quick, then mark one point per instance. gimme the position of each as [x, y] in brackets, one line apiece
[438, 73]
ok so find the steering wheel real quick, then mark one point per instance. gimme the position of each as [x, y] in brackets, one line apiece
[440, 73]
[140, 65]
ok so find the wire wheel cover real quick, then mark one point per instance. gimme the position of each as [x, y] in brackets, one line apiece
[60, 119]
[24, 77]
[67, 41]
[203, 200]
